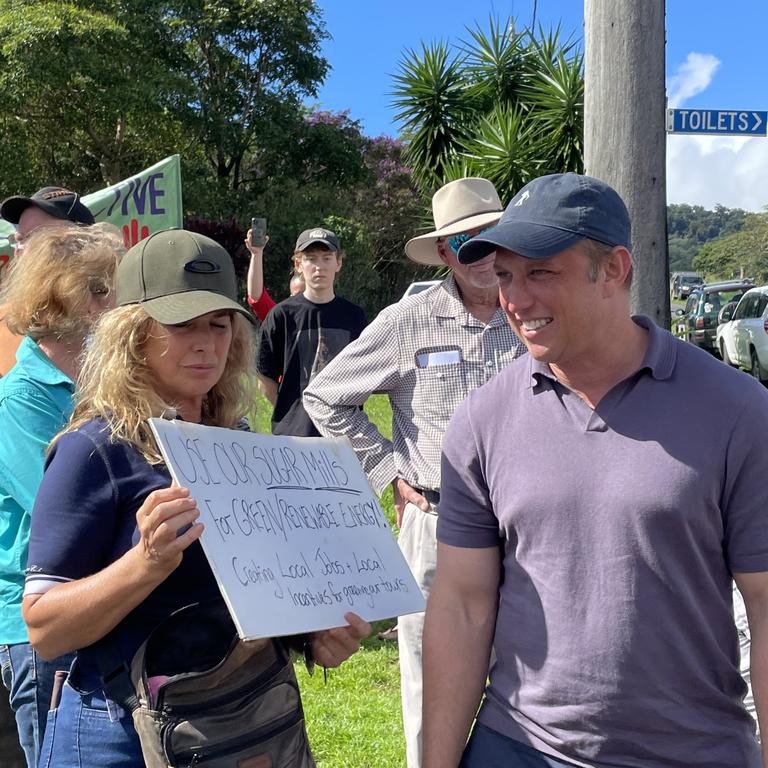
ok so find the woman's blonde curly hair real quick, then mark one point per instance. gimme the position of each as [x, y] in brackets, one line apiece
[117, 384]
[50, 283]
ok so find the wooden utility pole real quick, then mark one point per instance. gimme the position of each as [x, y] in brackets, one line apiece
[624, 131]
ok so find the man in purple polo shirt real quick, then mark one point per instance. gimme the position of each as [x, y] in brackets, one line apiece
[598, 496]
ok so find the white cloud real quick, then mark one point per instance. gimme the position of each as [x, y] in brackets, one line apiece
[707, 170]
[692, 77]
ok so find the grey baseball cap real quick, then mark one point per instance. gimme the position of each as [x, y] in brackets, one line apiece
[177, 275]
[317, 235]
[55, 201]
[552, 213]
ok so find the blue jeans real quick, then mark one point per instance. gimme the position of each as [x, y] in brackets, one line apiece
[88, 731]
[487, 748]
[29, 679]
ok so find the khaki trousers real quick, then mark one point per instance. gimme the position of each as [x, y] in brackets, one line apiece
[418, 542]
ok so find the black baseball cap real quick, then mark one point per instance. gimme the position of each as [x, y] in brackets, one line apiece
[317, 235]
[552, 213]
[55, 201]
[177, 275]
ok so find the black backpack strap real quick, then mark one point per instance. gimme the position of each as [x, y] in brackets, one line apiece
[115, 675]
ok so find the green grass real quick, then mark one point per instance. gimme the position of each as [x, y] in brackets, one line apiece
[354, 719]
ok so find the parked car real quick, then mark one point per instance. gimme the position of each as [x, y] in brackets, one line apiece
[682, 283]
[742, 336]
[420, 286]
[697, 323]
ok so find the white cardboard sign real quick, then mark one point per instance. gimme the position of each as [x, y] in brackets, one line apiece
[293, 532]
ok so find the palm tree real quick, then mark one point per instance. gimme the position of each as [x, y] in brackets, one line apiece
[504, 105]
[434, 105]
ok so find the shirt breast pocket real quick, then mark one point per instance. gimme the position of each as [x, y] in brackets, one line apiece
[439, 390]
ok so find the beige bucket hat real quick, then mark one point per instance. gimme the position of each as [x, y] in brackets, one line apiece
[458, 206]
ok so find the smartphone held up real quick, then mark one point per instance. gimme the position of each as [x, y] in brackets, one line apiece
[258, 232]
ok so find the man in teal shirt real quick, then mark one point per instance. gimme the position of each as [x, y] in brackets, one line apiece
[58, 286]
[35, 403]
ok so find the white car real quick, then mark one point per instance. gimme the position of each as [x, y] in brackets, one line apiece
[742, 336]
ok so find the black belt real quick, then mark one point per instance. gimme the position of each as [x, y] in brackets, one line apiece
[433, 497]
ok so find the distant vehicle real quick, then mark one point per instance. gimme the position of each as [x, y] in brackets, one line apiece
[697, 323]
[420, 286]
[682, 283]
[742, 336]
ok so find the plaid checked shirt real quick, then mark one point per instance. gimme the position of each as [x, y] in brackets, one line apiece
[426, 353]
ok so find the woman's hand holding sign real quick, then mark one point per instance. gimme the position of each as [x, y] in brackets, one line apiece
[330, 647]
[167, 524]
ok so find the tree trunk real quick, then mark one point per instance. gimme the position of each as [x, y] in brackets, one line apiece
[624, 131]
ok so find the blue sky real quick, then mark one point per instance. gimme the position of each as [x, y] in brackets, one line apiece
[715, 60]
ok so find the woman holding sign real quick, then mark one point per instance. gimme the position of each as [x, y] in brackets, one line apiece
[114, 547]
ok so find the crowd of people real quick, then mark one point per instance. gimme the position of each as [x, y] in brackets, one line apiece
[575, 532]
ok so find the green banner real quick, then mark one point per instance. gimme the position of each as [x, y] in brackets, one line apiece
[138, 206]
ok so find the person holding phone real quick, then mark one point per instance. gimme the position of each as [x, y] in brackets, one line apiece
[259, 299]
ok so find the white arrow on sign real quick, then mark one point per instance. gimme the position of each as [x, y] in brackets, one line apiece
[758, 121]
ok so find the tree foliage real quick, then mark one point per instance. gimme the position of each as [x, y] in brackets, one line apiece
[503, 105]
[252, 63]
[689, 227]
[119, 80]
[95, 90]
[742, 253]
[87, 94]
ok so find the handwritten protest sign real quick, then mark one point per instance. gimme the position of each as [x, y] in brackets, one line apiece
[293, 532]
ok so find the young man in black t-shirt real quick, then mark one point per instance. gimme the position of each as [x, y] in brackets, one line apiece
[302, 334]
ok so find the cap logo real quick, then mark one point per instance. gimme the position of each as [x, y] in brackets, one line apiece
[56, 193]
[318, 233]
[202, 266]
[523, 198]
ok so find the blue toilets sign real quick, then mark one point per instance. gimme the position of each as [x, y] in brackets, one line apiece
[717, 122]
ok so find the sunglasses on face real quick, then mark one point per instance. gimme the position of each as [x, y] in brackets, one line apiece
[457, 241]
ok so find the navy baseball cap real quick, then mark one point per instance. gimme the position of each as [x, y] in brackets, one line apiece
[55, 201]
[552, 213]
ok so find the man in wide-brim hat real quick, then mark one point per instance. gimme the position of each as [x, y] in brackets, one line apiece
[427, 352]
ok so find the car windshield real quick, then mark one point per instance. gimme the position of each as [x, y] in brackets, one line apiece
[714, 301]
[692, 280]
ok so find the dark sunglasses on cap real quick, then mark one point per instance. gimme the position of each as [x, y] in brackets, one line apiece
[457, 241]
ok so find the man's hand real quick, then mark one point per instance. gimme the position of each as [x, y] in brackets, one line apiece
[405, 493]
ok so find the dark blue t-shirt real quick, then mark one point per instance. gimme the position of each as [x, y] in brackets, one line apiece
[84, 518]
